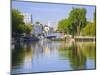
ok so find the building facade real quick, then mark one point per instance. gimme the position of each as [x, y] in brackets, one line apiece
[27, 18]
[37, 29]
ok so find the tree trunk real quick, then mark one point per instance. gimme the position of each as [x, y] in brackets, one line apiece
[78, 30]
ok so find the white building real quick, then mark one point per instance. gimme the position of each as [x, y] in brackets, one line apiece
[27, 18]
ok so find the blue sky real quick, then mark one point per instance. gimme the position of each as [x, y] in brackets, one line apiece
[45, 12]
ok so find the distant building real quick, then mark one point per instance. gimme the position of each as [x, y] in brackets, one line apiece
[51, 30]
[46, 29]
[27, 18]
[37, 29]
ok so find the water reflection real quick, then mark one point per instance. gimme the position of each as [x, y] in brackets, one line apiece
[47, 55]
[18, 55]
[79, 54]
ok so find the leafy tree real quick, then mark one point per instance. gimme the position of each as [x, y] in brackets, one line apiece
[63, 26]
[72, 29]
[21, 28]
[28, 29]
[75, 22]
[77, 18]
[89, 30]
[17, 22]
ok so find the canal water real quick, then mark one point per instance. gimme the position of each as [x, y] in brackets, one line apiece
[47, 56]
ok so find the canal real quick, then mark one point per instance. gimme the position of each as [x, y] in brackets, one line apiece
[46, 55]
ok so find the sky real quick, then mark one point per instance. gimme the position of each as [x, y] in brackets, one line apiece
[50, 12]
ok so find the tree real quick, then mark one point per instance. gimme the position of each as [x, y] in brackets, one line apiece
[28, 29]
[89, 29]
[63, 26]
[17, 22]
[77, 18]
[21, 29]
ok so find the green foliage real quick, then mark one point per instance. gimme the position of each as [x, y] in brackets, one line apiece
[18, 25]
[17, 22]
[63, 25]
[75, 22]
[28, 29]
[89, 30]
[77, 18]
[72, 29]
[20, 28]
